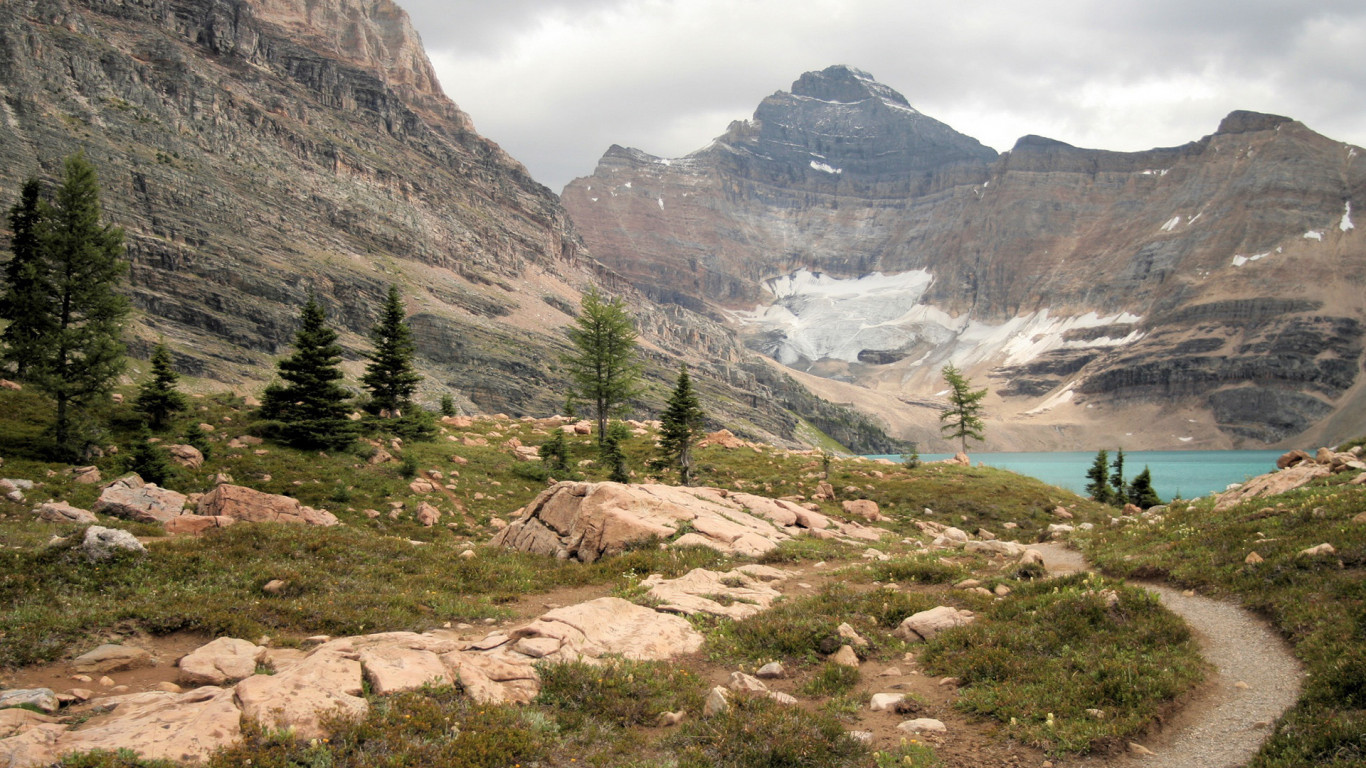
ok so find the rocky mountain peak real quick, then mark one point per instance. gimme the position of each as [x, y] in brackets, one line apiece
[374, 35]
[845, 85]
[1243, 121]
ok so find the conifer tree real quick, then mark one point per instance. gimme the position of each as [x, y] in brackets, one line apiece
[554, 452]
[80, 357]
[680, 425]
[310, 405]
[389, 376]
[148, 459]
[27, 300]
[963, 418]
[447, 405]
[1099, 475]
[199, 440]
[613, 457]
[1117, 477]
[158, 398]
[604, 370]
[1141, 491]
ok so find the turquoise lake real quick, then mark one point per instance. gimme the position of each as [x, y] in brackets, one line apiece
[1186, 474]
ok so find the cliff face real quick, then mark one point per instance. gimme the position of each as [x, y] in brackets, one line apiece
[257, 150]
[846, 234]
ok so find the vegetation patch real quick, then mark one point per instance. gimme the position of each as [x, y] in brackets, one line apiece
[757, 732]
[1070, 664]
[620, 692]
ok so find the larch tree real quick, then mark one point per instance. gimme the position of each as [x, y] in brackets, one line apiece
[962, 419]
[604, 368]
[27, 300]
[390, 376]
[680, 425]
[311, 406]
[80, 356]
[158, 397]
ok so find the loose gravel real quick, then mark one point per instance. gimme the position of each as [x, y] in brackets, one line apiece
[1256, 681]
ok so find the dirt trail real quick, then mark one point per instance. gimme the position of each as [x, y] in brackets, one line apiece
[1256, 680]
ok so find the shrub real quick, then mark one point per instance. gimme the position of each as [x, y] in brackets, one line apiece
[620, 692]
[757, 732]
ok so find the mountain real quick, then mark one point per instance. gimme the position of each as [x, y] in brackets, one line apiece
[1207, 295]
[259, 150]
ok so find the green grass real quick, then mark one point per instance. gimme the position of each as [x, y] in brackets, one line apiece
[757, 732]
[1317, 603]
[619, 692]
[1039, 661]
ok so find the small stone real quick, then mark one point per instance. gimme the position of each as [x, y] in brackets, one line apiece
[890, 672]
[739, 681]
[467, 554]
[922, 725]
[849, 633]
[770, 671]
[168, 686]
[1096, 713]
[275, 586]
[1001, 590]
[881, 702]
[786, 699]
[1321, 549]
[106, 681]
[83, 678]
[670, 719]
[1253, 558]
[81, 694]
[1188, 593]
[718, 702]
[1242, 686]
[1139, 749]
[845, 656]
[863, 737]
[949, 681]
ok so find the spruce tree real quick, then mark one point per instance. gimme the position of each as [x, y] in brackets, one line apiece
[604, 369]
[389, 376]
[680, 426]
[158, 398]
[1099, 475]
[963, 418]
[148, 459]
[311, 407]
[554, 452]
[1141, 491]
[80, 357]
[27, 302]
[1117, 477]
[613, 457]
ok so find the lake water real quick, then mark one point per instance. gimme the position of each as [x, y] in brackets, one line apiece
[1186, 474]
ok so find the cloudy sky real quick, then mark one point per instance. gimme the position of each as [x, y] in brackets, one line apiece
[556, 82]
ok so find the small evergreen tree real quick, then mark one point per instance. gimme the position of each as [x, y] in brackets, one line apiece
[963, 418]
[148, 459]
[196, 437]
[1117, 477]
[447, 405]
[27, 300]
[1099, 475]
[390, 376]
[80, 356]
[680, 426]
[911, 458]
[1141, 491]
[158, 398]
[612, 455]
[554, 452]
[416, 424]
[604, 369]
[311, 407]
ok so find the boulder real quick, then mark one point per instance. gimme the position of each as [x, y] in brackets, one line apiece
[186, 456]
[926, 624]
[324, 683]
[736, 594]
[427, 514]
[922, 725]
[194, 525]
[1321, 549]
[247, 505]
[38, 698]
[771, 671]
[394, 667]
[181, 727]
[61, 512]
[845, 657]
[1291, 458]
[131, 499]
[111, 658]
[225, 660]
[718, 702]
[1271, 484]
[739, 681]
[86, 475]
[102, 543]
[881, 702]
[15, 721]
[864, 508]
[723, 439]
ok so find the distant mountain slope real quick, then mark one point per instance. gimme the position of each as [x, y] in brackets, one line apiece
[1208, 295]
[256, 150]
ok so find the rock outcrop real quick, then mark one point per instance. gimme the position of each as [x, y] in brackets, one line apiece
[1296, 469]
[587, 521]
[252, 506]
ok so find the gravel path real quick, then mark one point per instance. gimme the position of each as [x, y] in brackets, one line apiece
[1257, 679]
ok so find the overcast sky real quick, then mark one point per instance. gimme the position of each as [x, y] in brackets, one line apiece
[556, 82]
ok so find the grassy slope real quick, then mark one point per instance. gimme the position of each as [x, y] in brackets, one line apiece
[373, 575]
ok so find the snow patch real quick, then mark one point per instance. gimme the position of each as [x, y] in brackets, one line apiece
[817, 317]
[826, 168]
[1062, 397]
[627, 185]
[661, 203]
[1314, 234]
[1154, 172]
[594, 199]
[1346, 223]
[1171, 224]
[1239, 261]
[664, 161]
[1185, 439]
